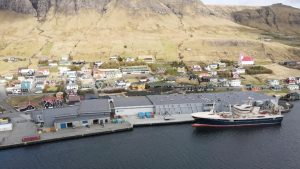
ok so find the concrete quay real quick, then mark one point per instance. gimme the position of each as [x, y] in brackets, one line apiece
[13, 138]
[160, 120]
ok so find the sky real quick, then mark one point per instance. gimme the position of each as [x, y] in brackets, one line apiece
[295, 3]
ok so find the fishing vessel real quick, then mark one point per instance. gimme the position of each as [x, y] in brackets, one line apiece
[240, 115]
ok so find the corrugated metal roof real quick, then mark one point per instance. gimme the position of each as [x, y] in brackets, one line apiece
[227, 97]
[49, 115]
[122, 101]
[94, 106]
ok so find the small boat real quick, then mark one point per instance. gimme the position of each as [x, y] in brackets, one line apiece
[241, 115]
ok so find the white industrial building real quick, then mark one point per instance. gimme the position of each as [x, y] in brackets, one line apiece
[131, 106]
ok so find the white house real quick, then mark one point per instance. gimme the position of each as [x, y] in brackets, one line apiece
[63, 70]
[53, 64]
[196, 68]
[222, 65]
[235, 83]
[130, 59]
[147, 58]
[102, 74]
[8, 77]
[72, 86]
[240, 70]
[214, 66]
[273, 82]
[246, 60]
[293, 87]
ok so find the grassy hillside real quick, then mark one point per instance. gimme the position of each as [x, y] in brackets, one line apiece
[92, 36]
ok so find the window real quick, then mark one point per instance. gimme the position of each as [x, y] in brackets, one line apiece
[84, 122]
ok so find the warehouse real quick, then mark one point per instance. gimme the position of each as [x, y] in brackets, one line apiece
[129, 106]
[5, 124]
[87, 113]
[180, 104]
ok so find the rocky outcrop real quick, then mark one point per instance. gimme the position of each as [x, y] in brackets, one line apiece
[40, 8]
[20, 6]
[275, 18]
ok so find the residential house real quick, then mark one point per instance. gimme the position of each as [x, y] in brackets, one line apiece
[103, 74]
[224, 82]
[290, 63]
[161, 70]
[65, 58]
[196, 68]
[130, 59]
[53, 64]
[222, 65]
[273, 82]
[139, 86]
[147, 59]
[65, 63]
[293, 87]
[26, 85]
[72, 86]
[87, 83]
[181, 70]
[85, 70]
[297, 80]
[62, 70]
[122, 84]
[8, 76]
[39, 86]
[98, 64]
[235, 83]
[246, 60]
[204, 75]
[40, 79]
[136, 70]
[72, 97]
[235, 75]
[43, 71]
[26, 72]
[213, 73]
[114, 58]
[291, 81]
[213, 80]
[239, 70]
[213, 66]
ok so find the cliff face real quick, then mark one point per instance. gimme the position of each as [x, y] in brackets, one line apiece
[275, 18]
[40, 8]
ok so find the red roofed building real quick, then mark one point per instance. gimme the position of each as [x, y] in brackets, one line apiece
[246, 60]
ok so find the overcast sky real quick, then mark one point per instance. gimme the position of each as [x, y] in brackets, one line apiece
[295, 3]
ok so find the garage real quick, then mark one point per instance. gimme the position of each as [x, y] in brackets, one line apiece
[63, 125]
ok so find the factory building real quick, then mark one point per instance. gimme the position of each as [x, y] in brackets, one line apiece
[87, 113]
[131, 106]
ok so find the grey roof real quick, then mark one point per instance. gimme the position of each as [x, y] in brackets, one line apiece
[49, 115]
[94, 106]
[122, 101]
[227, 97]
[81, 118]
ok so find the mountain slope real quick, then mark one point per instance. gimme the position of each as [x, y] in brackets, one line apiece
[275, 18]
[96, 29]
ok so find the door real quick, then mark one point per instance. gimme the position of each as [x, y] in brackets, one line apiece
[63, 125]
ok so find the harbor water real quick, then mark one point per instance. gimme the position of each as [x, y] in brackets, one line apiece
[170, 147]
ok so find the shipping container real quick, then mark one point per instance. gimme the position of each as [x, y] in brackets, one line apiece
[31, 138]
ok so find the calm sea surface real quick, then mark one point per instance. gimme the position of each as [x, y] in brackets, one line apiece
[170, 147]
